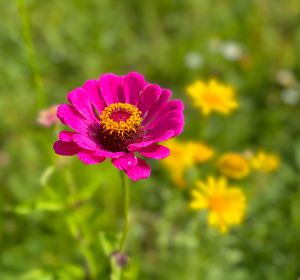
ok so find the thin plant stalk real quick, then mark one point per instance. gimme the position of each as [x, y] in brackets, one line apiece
[31, 55]
[125, 189]
[77, 224]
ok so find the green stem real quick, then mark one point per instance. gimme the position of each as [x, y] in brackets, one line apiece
[31, 55]
[80, 234]
[204, 128]
[126, 208]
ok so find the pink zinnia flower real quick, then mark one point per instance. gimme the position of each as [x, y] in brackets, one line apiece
[47, 117]
[116, 117]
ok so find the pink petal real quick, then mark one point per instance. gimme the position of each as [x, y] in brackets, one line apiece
[88, 144]
[140, 171]
[164, 118]
[125, 162]
[101, 152]
[93, 90]
[88, 157]
[154, 138]
[173, 105]
[174, 124]
[171, 109]
[84, 142]
[149, 96]
[134, 84]
[66, 136]
[69, 116]
[80, 100]
[110, 86]
[177, 127]
[164, 97]
[155, 151]
[65, 148]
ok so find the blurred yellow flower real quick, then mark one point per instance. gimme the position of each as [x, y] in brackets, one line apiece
[212, 96]
[226, 205]
[265, 162]
[233, 165]
[184, 155]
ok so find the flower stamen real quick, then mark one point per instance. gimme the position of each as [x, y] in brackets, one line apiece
[120, 118]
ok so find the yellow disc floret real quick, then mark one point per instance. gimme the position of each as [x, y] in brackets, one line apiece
[120, 118]
[234, 165]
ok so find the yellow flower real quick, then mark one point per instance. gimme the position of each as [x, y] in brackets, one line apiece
[226, 205]
[265, 162]
[212, 96]
[233, 165]
[185, 155]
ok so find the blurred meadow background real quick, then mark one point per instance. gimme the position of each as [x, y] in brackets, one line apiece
[59, 217]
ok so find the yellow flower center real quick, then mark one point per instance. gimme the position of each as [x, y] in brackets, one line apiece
[212, 99]
[120, 118]
[217, 203]
[235, 164]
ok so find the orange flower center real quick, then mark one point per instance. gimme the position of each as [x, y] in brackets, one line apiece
[212, 99]
[217, 203]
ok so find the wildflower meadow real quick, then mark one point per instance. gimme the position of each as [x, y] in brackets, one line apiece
[149, 140]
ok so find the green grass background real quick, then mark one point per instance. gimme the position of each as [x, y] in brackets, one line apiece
[53, 211]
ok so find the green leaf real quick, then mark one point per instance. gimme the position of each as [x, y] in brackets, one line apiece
[109, 242]
[36, 274]
[46, 175]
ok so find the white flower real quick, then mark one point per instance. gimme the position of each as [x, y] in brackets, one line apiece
[193, 60]
[231, 50]
[285, 78]
[291, 96]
